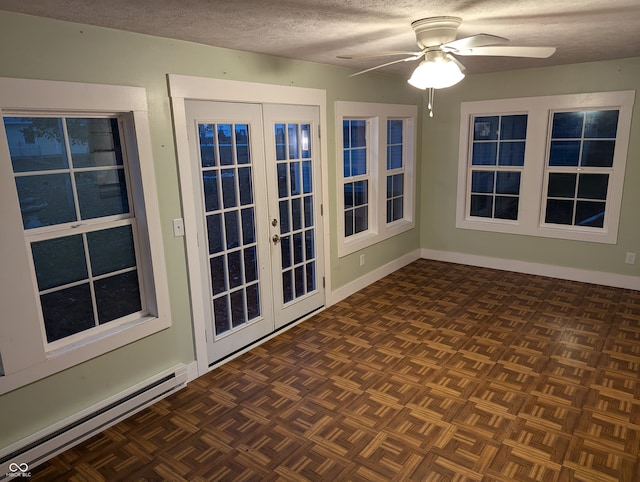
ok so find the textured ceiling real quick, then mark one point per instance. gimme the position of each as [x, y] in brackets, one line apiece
[320, 30]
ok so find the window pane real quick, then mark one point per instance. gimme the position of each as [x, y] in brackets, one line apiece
[394, 157]
[308, 245]
[398, 208]
[511, 154]
[253, 302]
[506, 207]
[67, 312]
[232, 229]
[348, 222]
[207, 145]
[348, 195]
[242, 143]
[361, 219]
[117, 296]
[45, 200]
[211, 195]
[283, 188]
[559, 211]
[564, 153]
[284, 217]
[507, 183]
[300, 284]
[296, 213]
[485, 128]
[482, 181]
[395, 185]
[484, 153]
[394, 131]
[94, 142]
[562, 185]
[59, 261]
[293, 141]
[35, 144]
[305, 141]
[308, 211]
[281, 142]
[225, 144]
[111, 250]
[593, 186]
[294, 172]
[346, 159]
[298, 250]
[601, 123]
[287, 286]
[311, 277]
[306, 177]
[214, 232]
[358, 136]
[221, 314]
[248, 226]
[481, 206]
[246, 189]
[218, 270]
[229, 199]
[513, 127]
[598, 153]
[234, 265]
[360, 193]
[567, 125]
[285, 251]
[358, 162]
[590, 214]
[101, 193]
[250, 265]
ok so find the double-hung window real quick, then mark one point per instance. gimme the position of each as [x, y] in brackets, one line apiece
[376, 149]
[79, 202]
[544, 166]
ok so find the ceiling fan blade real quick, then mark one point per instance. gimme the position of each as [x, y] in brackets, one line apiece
[510, 51]
[456, 61]
[414, 57]
[377, 54]
[480, 40]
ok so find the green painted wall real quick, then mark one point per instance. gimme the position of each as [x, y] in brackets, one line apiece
[37, 48]
[440, 169]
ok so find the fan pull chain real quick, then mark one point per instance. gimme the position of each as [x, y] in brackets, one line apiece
[430, 104]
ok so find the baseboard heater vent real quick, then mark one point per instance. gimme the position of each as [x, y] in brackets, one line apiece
[48, 443]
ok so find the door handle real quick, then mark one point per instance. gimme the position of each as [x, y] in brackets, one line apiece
[275, 239]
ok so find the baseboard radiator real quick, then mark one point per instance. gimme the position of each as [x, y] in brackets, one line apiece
[40, 447]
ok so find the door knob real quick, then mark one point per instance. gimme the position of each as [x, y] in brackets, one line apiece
[276, 239]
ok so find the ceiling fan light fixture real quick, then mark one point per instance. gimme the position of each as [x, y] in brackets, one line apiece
[437, 71]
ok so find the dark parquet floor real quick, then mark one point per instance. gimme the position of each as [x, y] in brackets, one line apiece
[438, 372]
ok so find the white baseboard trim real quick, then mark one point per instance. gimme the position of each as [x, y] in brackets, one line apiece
[371, 277]
[51, 441]
[560, 272]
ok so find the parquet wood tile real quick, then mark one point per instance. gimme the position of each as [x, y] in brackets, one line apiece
[438, 372]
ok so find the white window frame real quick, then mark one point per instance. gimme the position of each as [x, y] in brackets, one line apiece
[24, 352]
[532, 184]
[376, 115]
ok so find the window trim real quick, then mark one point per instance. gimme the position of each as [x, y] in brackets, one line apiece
[24, 354]
[533, 189]
[376, 115]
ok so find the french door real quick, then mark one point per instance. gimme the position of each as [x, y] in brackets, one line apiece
[259, 229]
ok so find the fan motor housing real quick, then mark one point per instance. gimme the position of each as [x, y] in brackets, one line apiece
[435, 31]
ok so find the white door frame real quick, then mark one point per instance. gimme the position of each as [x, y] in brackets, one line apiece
[182, 87]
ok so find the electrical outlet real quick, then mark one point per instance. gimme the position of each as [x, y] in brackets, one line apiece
[631, 258]
[362, 260]
[178, 227]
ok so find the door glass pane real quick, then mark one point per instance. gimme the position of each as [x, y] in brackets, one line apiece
[208, 155]
[231, 227]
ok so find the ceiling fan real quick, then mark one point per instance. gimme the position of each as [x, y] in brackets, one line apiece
[436, 37]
